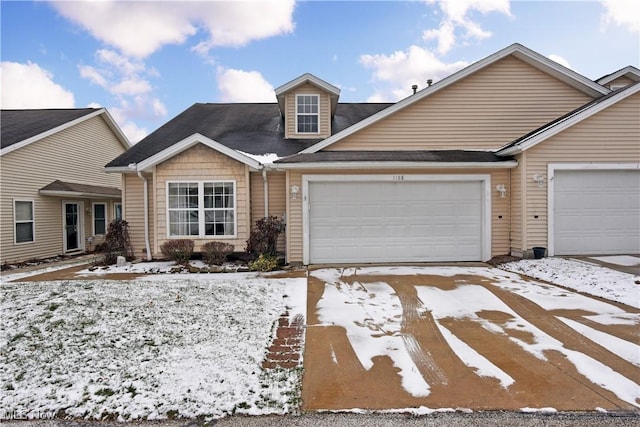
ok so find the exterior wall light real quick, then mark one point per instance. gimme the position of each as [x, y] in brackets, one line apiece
[502, 190]
[539, 179]
[294, 192]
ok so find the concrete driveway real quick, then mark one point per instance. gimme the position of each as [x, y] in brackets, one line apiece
[465, 337]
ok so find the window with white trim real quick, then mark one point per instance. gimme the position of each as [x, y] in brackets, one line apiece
[24, 221]
[99, 219]
[307, 113]
[201, 208]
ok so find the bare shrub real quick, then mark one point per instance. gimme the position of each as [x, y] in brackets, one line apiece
[179, 250]
[214, 253]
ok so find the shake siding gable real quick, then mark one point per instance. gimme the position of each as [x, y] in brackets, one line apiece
[133, 200]
[200, 163]
[76, 154]
[324, 111]
[482, 111]
[610, 136]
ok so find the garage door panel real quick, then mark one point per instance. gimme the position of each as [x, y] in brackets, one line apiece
[394, 222]
[596, 212]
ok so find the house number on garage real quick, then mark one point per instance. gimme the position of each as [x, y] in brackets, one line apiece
[398, 178]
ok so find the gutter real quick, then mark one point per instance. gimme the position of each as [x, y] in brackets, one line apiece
[266, 192]
[395, 165]
[133, 166]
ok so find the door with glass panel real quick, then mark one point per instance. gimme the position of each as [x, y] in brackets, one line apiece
[72, 231]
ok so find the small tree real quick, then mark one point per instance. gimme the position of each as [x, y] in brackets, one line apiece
[116, 242]
[263, 239]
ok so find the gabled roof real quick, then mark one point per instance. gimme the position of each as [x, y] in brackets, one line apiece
[629, 71]
[517, 50]
[576, 116]
[72, 189]
[23, 127]
[250, 128]
[309, 78]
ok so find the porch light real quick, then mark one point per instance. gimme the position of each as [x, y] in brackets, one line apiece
[294, 192]
[502, 190]
[539, 179]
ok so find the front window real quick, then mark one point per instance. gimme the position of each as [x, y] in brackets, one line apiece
[24, 221]
[99, 219]
[307, 112]
[201, 209]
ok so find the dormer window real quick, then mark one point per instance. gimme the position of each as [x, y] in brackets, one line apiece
[307, 112]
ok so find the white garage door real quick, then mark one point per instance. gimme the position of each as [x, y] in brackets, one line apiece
[395, 221]
[596, 212]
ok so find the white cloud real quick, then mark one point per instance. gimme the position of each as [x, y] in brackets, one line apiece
[92, 74]
[131, 86]
[624, 13]
[560, 60]
[455, 16]
[133, 132]
[404, 68]
[140, 28]
[243, 86]
[29, 86]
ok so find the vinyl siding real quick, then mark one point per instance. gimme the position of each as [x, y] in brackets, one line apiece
[612, 135]
[201, 163]
[133, 203]
[290, 113]
[77, 154]
[482, 111]
[516, 201]
[499, 206]
[277, 199]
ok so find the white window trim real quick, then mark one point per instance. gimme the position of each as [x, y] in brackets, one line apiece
[201, 216]
[551, 169]
[317, 96]
[33, 221]
[93, 218]
[485, 179]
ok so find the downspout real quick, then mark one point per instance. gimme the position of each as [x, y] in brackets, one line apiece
[266, 192]
[146, 215]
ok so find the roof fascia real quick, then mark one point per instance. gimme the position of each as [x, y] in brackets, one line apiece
[60, 193]
[116, 129]
[50, 132]
[395, 165]
[516, 49]
[307, 78]
[581, 115]
[630, 71]
[189, 142]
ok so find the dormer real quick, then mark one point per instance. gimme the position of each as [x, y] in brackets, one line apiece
[621, 78]
[307, 105]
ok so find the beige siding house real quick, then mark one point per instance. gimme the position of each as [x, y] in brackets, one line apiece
[511, 153]
[56, 197]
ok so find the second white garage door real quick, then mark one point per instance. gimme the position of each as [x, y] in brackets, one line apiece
[596, 212]
[364, 222]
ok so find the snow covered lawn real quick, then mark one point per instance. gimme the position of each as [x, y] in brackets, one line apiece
[157, 347]
[582, 276]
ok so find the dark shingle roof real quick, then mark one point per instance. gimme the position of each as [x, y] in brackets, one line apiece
[18, 125]
[251, 128]
[72, 187]
[457, 156]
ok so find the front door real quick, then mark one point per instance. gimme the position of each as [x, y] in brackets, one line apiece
[72, 229]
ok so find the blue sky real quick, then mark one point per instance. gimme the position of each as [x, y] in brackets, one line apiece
[148, 61]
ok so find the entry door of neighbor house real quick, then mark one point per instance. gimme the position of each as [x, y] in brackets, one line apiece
[72, 226]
